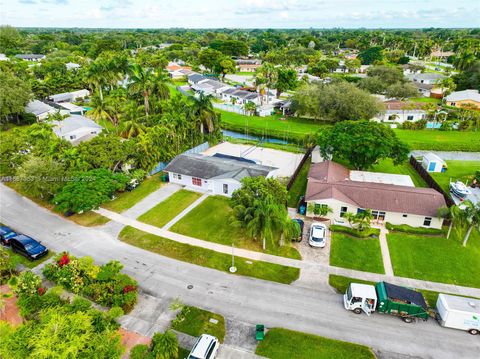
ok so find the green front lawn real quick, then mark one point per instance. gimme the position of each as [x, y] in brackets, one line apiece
[355, 253]
[168, 209]
[425, 99]
[210, 221]
[19, 259]
[387, 166]
[128, 199]
[281, 343]
[457, 170]
[208, 258]
[468, 141]
[299, 186]
[290, 129]
[436, 259]
[195, 322]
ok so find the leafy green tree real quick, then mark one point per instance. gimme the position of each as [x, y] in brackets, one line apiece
[401, 91]
[388, 74]
[226, 66]
[371, 55]
[230, 47]
[10, 39]
[88, 190]
[335, 102]
[15, 93]
[105, 152]
[210, 58]
[41, 177]
[286, 79]
[362, 143]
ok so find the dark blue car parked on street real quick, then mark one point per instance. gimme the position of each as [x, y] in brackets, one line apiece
[5, 235]
[28, 247]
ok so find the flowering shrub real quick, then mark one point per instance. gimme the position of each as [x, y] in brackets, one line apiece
[26, 283]
[41, 291]
[104, 284]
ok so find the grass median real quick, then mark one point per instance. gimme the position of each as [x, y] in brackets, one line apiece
[195, 322]
[208, 258]
[287, 344]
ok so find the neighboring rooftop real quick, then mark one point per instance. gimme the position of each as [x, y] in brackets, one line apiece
[329, 179]
[465, 95]
[196, 78]
[395, 105]
[211, 167]
[73, 123]
[385, 178]
[38, 107]
[425, 76]
[29, 56]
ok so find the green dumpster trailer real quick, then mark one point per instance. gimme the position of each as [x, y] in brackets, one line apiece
[386, 298]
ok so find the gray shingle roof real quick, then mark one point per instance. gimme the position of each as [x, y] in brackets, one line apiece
[206, 167]
[38, 107]
[195, 78]
[72, 123]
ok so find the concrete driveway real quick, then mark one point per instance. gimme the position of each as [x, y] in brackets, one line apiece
[317, 311]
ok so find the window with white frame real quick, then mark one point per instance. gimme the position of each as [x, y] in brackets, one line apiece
[427, 221]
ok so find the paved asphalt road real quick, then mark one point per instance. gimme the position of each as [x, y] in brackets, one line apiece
[318, 311]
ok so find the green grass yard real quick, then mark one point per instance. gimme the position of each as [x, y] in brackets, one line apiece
[299, 186]
[195, 322]
[281, 343]
[168, 209]
[355, 253]
[210, 221]
[387, 166]
[457, 170]
[440, 140]
[208, 258]
[436, 259]
[128, 199]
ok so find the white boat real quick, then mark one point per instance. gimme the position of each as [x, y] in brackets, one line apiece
[459, 189]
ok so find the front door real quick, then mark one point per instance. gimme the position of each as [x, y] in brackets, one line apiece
[431, 166]
[367, 306]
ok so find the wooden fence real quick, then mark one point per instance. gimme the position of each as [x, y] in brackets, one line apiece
[430, 181]
[299, 168]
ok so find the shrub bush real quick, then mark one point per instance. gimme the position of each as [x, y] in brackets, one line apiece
[369, 232]
[414, 230]
[105, 285]
[140, 351]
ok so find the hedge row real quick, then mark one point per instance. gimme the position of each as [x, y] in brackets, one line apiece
[370, 232]
[405, 228]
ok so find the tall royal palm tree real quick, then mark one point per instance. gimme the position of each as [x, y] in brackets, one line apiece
[131, 124]
[96, 76]
[470, 216]
[99, 110]
[452, 214]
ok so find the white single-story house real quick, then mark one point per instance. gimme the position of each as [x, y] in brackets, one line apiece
[333, 185]
[180, 73]
[41, 110]
[240, 96]
[30, 57]
[69, 96]
[217, 174]
[399, 112]
[432, 163]
[210, 87]
[428, 78]
[72, 66]
[248, 65]
[76, 129]
[195, 78]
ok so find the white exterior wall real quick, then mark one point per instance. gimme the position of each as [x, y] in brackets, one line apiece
[401, 116]
[213, 186]
[392, 217]
[80, 133]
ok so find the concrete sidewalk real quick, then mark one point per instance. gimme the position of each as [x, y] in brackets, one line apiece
[387, 262]
[301, 264]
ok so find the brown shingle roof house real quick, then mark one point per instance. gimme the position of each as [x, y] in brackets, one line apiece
[331, 183]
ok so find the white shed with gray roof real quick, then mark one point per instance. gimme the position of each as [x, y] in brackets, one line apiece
[218, 174]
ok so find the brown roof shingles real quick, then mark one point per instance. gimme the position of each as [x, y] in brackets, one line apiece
[330, 180]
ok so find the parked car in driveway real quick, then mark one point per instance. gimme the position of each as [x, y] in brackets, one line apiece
[28, 247]
[318, 235]
[206, 347]
[301, 225]
[5, 234]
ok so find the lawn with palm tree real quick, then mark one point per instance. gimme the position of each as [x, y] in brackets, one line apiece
[211, 221]
[436, 258]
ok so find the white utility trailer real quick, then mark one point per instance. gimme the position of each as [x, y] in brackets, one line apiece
[459, 313]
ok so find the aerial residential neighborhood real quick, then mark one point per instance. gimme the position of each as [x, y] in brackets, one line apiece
[240, 180]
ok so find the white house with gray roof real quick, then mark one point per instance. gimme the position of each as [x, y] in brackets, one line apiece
[41, 110]
[218, 174]
[30, 57]
[69, 96]
[76, 129]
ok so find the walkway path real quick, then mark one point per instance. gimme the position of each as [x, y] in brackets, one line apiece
[185, 212]
[387, 263]
[152, 200]
[304, 265]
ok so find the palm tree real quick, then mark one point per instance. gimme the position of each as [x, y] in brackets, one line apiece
[141, 82]
[267, 221]
[350, 217]
[363, 219]
[249, 107]
[131, 125]
[451, 214]
[99, 111]
[165, 345]
[471, 217]
[203, 113]
[96, 76]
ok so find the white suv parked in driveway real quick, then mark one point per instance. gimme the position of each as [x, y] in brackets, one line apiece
[206, 347]
[318, 235]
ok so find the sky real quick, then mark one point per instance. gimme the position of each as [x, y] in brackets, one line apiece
[240, 13]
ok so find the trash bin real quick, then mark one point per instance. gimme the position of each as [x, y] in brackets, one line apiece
[164, 177]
